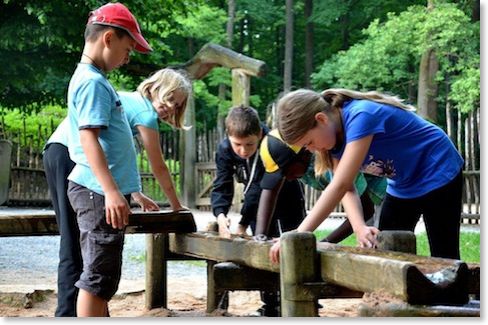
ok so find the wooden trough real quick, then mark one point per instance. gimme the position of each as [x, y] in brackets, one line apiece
[41, 223]
[306, 272]
[407, 277]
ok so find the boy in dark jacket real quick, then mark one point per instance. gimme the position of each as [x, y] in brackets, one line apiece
[237, 156]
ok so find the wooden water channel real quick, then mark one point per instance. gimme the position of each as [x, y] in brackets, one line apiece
[306, 273]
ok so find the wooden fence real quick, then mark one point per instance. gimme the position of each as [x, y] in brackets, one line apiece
[29, 188]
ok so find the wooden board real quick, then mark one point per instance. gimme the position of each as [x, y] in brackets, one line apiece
[411, 278]
[208, 245]
[40, 223]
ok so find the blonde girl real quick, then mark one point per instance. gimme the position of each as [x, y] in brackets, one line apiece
[377, 134]
[163, 96]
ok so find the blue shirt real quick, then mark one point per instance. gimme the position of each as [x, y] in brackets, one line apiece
[415, 155]
[93, 103]
[139, 111]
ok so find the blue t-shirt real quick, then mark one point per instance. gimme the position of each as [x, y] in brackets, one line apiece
[415, 155]
[139, 111]
[93, 103]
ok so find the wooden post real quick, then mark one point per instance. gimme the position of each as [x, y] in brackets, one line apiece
[189, 159]
[241, 85]
[216, 299]
[398, 241]
[5, 155]
[156, 271]
[297, 266]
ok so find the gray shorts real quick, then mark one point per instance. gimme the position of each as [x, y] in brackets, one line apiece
[101, 245]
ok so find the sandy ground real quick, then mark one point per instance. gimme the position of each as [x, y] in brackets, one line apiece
[186, 298]
[29, 290]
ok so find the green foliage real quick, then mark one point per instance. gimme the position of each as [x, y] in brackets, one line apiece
[466, 90]
[42, 42]
[388, 59]
[151, 187]
[469, 244]
[46, 120]
[200, 14]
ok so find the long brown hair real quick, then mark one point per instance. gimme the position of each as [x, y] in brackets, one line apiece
[297, 109]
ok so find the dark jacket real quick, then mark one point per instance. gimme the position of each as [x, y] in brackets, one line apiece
[290, 208]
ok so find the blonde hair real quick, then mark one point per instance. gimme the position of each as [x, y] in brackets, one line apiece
[297, 109]
[161, 84]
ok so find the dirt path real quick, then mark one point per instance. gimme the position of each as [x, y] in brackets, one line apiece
[186, 298]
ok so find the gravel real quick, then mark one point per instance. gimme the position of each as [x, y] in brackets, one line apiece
[34, 259]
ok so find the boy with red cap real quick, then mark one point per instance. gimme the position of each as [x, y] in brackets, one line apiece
[100, 143]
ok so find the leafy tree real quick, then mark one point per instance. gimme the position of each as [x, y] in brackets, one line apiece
[42, 42]
[389, 58]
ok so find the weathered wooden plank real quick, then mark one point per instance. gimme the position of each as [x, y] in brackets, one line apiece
[213, 55]
[241, 87]
[208, 245]
[297, 266]
[411, 278]
[44, 223]
[414, 279]
[156, 294]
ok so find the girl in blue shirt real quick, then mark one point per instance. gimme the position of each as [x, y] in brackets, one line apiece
[380, 135]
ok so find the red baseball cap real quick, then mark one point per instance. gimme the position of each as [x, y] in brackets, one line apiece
[117, 15]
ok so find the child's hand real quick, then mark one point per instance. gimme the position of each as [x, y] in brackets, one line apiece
[366, 237]
[241, 230]
[117, 210]
[146, 203]
[180, 207]
[224, 224]
[274, 252]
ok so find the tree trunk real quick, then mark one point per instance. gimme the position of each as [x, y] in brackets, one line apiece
[231, 12]
[476, 11]
[309, 33]
[428, 87]
[287, 77]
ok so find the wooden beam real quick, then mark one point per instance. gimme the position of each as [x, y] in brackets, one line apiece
[414, 279]
[241, 87]
[44, 223]
[297, 266]
[397, 240]
[156, 281]
[208, 245]
[411, 278]
[213, 55]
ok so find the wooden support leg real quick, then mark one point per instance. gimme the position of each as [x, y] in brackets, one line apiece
[216, 298]
[398, 241]
[297, 267]
[156, 271]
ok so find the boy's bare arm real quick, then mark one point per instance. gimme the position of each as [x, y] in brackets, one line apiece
[117, 208]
